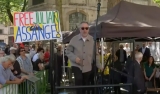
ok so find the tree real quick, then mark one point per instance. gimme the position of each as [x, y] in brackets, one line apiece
[7, 7]
[157, 2]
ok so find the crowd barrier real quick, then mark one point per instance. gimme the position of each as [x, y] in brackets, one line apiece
[34, 85]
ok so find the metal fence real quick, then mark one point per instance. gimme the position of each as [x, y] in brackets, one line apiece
[34, 85]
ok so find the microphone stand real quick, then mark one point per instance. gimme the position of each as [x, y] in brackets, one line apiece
[95, 48]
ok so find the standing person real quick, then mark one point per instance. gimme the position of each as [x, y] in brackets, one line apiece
[139, 81]
[46, 55]
[145, 51]
[137, 48]
[115, 75]
[7, 50]
[39, 64]
[121, 54]
[13, 52]
[80, 53]
[24, 62]
[35, 57]
[26, 48]
[127, 49]
[32, 51]
[6, 76]
[59, 64]
[149, 72]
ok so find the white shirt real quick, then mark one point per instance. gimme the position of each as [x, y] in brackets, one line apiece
[152, 50]
[127, 49]
[32, 53]
[84, 39]
[143, 49]
[35, 57]
[157, 75]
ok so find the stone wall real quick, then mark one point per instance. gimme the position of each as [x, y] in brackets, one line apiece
[86, 7]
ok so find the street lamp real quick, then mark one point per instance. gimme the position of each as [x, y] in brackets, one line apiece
[95, 48]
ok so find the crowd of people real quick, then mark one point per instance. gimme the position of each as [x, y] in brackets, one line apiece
[17, 62]
[148, 73]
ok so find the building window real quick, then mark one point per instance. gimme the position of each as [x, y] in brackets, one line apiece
[75, 19]
[10, 40]
[36, 2]
[1, 31]
[11, 30]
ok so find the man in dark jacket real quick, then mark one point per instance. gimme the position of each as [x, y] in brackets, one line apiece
[145, 51]
[137, 74]
[121, 54]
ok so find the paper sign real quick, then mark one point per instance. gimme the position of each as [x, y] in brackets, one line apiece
[36, 26]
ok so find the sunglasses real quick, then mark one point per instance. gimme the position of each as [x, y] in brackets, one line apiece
[22, 50]
[84, 28]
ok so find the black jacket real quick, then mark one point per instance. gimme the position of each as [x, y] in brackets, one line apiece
[118, 54]
[146, 54]
[139, 80]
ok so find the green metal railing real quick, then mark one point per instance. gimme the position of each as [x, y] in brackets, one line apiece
[28, 87]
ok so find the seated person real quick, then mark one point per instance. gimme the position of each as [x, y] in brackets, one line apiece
[39, 63]
[149, 71]
[6, 76]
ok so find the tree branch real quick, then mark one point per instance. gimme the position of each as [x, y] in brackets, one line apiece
[24, 5]
[10, 16]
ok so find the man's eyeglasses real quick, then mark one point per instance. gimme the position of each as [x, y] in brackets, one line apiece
[22, 50]
[84, 28]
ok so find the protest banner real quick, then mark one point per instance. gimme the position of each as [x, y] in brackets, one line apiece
[39, 25]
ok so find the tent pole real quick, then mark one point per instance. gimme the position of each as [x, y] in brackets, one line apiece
[95, 48]
[102, 49]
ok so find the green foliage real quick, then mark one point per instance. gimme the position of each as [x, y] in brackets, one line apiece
[8, 7]
[157, 2]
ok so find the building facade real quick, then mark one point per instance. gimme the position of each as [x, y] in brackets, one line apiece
[6, 34]
[76, 11]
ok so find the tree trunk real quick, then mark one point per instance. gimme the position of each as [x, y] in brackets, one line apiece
[8, 9]
[110, 5]
[59, 8]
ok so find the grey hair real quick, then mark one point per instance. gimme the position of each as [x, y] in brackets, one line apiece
[138, 55]
[7, 58]
[83, 23]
